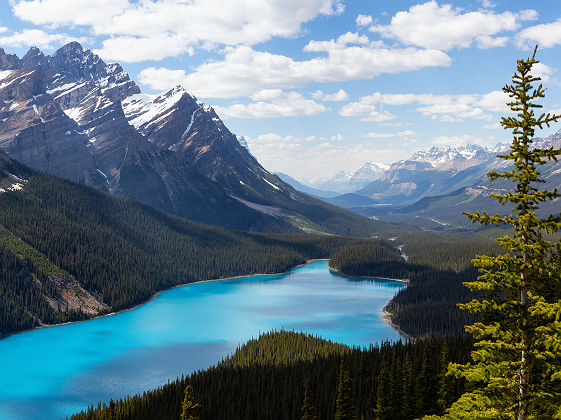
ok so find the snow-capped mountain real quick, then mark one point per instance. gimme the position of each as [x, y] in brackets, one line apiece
[344, 182]
[243, 142]
[440, 155]
[439, 171]
[73, 115]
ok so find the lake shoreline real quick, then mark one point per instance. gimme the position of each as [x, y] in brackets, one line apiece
[367, 277]
[385, 316]
[155, 295]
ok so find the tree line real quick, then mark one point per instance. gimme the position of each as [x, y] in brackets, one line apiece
[269, 377]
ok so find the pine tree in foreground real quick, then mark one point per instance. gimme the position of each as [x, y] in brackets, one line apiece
[308, 408]
[344, 408]
[189, 407]
[516, 368]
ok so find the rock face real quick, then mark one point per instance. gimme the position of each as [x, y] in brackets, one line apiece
[73, 115]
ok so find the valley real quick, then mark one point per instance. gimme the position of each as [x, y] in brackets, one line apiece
[240, 210]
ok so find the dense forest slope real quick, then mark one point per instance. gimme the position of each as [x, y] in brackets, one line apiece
[437, 264]
[265, 379]
[68, 251]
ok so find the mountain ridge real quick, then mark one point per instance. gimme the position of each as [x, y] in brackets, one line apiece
[72, 115]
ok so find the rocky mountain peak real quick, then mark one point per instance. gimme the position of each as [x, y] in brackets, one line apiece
[81, 63]
[34, 58]
[8, 61]
[437, 156]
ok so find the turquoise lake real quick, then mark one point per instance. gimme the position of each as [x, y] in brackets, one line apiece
[51, 373]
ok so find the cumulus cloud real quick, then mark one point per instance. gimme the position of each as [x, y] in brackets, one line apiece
[36, 38]
[340, 43]
[485, 42]
[176, 25]
[244, 71]
[448, 108]
[366, 112]
[363, 20]
[273, 103]
[543, 71]
[442, 27]
[546, 35]
[340, 95]
[307, 160]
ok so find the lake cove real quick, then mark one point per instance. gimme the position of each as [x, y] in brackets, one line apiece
[53, 372]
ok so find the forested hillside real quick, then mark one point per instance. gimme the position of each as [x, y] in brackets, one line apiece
[265, 379]
[437, 265]
[69, 252]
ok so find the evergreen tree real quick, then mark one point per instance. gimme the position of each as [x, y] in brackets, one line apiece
[308, 408]
[408, 386]
[383, 410]
[426, 386]
[344, 408]
[516, 366]
[189, 407]
[447, 383]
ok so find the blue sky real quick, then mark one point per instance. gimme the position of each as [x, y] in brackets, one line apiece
[317, 86]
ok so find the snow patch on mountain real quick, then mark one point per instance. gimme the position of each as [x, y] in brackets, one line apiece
[438, 155]
[143, 110]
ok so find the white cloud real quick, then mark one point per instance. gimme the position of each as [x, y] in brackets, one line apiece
[97, 13]
[405, 134]
[487, 4]
[368, 113]
[492, 126]
[132, 49]
[546, 35]
[485, 42]
[448, 108]
[245, 71]
[304, 160]
[375, 135]
[340, 95]
[3, 29]
[456, 141]
[273, 103]
[36, 38]
[340, 43]
[543, 71]
[442, 27]
[363, 20]
[175, 25]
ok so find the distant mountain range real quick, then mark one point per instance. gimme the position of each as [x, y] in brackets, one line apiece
[432, 187]
[346, 182]
[73, 115]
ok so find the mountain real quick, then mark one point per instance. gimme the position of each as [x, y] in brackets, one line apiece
[346, 182]
[469, 193]
[304, 188]
[74, 116]
[438, 170]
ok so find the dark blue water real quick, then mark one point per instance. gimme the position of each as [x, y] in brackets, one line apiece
[53, 372]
